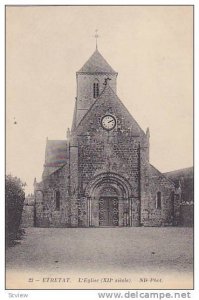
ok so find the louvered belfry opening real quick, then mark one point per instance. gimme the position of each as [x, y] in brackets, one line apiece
[95, 89]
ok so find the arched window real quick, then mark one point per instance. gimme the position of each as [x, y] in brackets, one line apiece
[158, 200]
[57, 200]
[96, 89]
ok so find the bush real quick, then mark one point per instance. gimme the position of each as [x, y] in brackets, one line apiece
[15, 197]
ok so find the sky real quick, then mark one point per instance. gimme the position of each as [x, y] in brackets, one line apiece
[149, 46]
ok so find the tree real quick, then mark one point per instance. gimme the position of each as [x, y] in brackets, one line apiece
[15, 197]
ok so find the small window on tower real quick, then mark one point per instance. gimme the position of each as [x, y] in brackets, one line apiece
[95, 89]
[158, 200]
[57, 200]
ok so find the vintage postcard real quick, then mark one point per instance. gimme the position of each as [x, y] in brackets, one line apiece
[99, 147]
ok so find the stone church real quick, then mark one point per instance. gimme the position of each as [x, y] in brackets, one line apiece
[100, 176]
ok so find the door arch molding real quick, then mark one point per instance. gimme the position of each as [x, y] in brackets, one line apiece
[108, 178]
[108, 185]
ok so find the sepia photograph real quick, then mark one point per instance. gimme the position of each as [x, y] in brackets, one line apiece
[99, 190]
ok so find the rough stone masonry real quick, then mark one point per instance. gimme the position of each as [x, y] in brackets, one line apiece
[100, 176]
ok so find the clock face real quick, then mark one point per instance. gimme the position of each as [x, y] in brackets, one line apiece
[108, 122]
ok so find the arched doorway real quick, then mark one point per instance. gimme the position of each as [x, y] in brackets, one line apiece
[109, 201]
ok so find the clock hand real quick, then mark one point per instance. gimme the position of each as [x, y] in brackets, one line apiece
[110, 121]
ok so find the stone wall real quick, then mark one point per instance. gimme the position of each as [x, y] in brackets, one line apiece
[122, 151]
[73, 182]
[164, 215]
[108, 154]
[47, 215]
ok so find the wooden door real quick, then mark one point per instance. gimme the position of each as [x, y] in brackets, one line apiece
[108, 211]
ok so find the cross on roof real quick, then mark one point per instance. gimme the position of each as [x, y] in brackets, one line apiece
[96, 36]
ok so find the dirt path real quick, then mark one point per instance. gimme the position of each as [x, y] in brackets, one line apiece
[108, 249]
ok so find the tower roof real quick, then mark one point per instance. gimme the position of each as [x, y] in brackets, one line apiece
[97, 64]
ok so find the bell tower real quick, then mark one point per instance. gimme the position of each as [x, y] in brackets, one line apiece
[90, 84]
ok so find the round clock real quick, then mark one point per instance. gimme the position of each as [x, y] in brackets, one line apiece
[108, 122]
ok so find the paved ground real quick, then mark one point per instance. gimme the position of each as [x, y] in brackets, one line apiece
[108, 249]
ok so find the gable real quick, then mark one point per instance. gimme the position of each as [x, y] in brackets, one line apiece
[109, 103]
[155, 173]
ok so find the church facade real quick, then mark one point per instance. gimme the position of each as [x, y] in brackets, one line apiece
[100, 176]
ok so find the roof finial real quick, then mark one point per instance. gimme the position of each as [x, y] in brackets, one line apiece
[96, 36]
